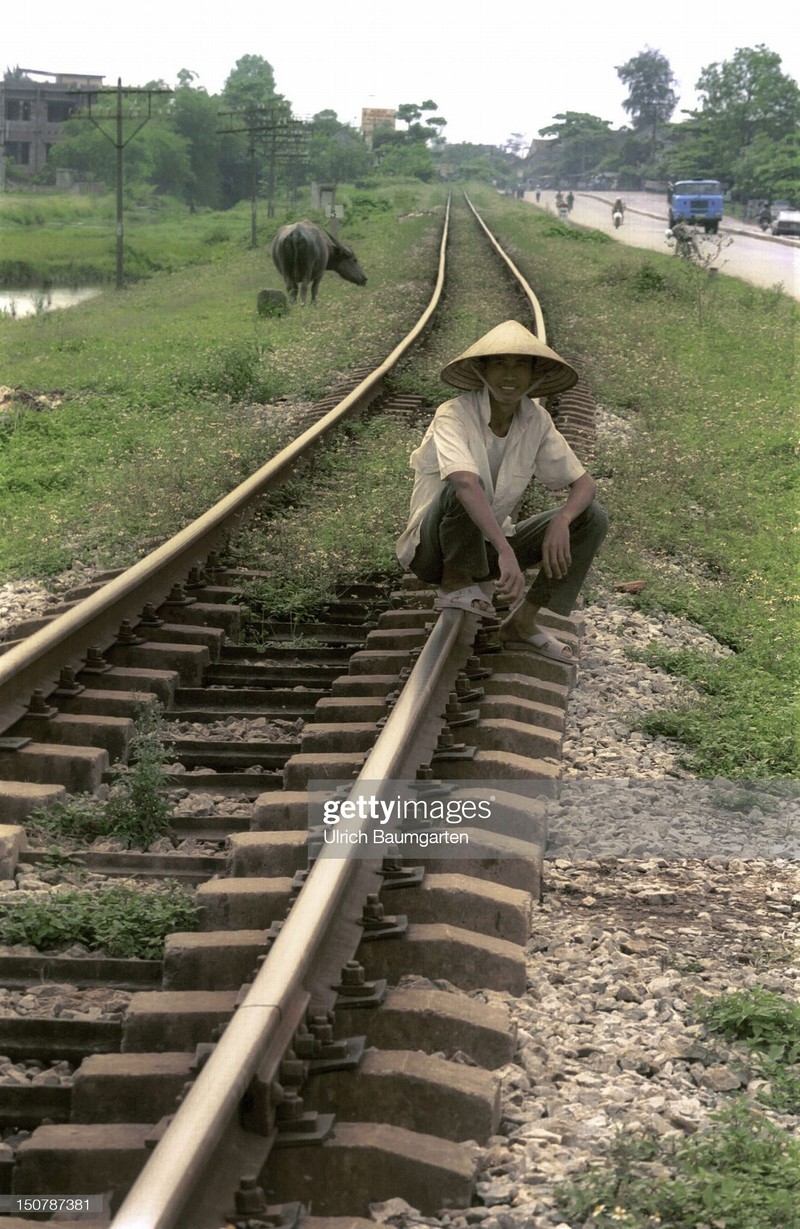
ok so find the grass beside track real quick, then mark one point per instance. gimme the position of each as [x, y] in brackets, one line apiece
[169, 391]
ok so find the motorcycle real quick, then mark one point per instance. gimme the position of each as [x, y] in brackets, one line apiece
[617, 219]
[684, 240]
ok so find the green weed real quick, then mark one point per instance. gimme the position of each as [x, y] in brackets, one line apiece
[362, 482]
[121, 921]
[82, 818]
[770, 1027]
[137, 810]
[741, 1173]
[766, 1021]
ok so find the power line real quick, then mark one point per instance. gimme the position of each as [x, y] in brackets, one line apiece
[119, 142]
[286, 138]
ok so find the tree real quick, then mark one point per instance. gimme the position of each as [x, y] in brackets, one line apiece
[517, 144]
[748, 107]
[419, 126]
[651, 98]
[413, 160]
[582, 142]
[336, 152]
[249, 92]
[158, 156]
[748, 97]
[250, 85]
[770, 170]
[193, 115]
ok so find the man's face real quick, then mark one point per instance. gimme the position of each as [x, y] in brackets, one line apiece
[509, 376]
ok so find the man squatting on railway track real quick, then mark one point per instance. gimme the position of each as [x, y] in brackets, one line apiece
[471, 470]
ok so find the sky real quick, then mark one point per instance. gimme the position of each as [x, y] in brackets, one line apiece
[493, 70]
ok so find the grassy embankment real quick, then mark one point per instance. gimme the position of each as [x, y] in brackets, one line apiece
[159, 387]
[160, 383]
[70, 240]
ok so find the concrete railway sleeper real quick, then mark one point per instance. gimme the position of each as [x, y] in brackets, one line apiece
[328, 1037]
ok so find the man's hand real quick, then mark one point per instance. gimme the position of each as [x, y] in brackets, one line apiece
[556, 556]
[511, 582]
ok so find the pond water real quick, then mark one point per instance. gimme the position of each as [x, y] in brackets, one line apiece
[32, 300]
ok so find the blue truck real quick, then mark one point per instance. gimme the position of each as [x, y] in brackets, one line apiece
[697, 201]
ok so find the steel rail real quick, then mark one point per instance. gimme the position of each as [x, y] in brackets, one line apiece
[322, 931]
[533, 302]
[38, 660]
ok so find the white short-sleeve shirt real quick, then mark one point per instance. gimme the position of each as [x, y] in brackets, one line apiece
[458, 439]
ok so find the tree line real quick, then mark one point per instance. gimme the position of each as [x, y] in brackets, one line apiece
[745, 131]
[210, 149]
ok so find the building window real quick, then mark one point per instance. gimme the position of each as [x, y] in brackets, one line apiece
[18, 109]
[20, 151]
[57, 112]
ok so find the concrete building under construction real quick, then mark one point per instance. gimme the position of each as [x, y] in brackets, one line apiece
[33, 109]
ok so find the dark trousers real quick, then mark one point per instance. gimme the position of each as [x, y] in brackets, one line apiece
[450, 540]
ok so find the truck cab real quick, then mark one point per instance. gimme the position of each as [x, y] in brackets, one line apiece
[697, 201]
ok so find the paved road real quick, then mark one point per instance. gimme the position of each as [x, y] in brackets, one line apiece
[761, 260]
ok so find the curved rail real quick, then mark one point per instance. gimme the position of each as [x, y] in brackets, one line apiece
[38, 660]
[533, 302]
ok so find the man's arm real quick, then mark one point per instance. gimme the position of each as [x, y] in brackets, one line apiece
[471, 494]
[556, 555]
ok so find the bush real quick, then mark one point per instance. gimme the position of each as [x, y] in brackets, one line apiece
[122, 921]
[740, 1173]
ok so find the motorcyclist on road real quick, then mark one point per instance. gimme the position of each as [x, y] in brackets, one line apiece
[765, 217]
[618, 206]
[685, 241]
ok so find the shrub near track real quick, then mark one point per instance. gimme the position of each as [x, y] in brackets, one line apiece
[700, 497]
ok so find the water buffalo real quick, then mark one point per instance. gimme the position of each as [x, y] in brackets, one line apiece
[302, 251]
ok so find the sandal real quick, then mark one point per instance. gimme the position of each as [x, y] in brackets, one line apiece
[471, 598]
[546, 645]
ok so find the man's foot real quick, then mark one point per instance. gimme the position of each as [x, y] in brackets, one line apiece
[535, 638]
[470, 598]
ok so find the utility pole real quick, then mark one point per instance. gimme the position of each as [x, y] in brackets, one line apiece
[284, 137]
[119, 141]
[3, 131]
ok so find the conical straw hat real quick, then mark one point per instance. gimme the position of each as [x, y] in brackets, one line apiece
[551, 374]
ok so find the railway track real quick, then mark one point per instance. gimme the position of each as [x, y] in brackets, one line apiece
[327, 1037]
